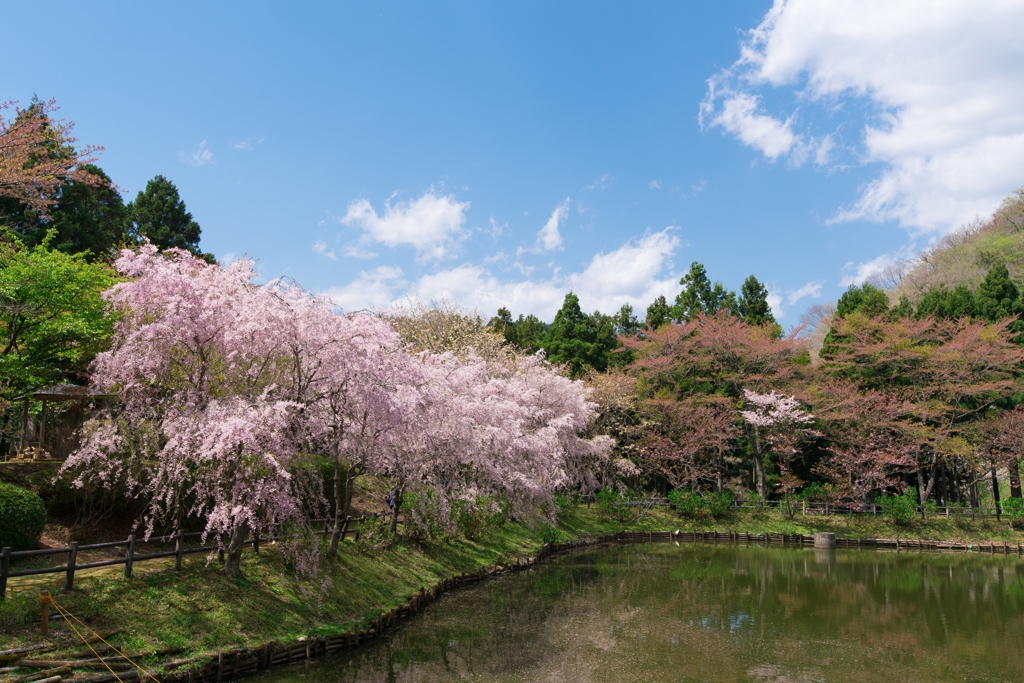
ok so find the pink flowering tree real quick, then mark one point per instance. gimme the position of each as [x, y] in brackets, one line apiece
[773, 419]
[470, 431]
[205, 421]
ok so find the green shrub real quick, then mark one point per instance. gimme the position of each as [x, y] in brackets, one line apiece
[549, 534]
[1014, 509]
[900, 509]
[717, 504]
[606, 500]
[22, 517]
[693, 504]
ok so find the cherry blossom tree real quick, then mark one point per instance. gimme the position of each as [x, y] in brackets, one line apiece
[38, 156]
[776, 417]
[204, 425]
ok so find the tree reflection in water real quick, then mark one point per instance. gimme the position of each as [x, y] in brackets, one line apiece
[712, 613]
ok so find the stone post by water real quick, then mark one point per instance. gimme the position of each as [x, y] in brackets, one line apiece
[824, 539]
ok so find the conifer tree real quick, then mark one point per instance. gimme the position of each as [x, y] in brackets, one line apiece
[753, 303]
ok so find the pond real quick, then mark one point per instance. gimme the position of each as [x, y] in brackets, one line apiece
[700, 612]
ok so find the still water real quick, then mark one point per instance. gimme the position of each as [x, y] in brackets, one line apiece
[710, 613]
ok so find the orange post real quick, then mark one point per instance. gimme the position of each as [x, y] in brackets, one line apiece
[44, 603]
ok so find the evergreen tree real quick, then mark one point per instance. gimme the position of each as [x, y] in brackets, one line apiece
[525, 333]
[626, 321]
[866, 299]
[700, 297]
[753, 303]
[942, 303]
[580, 340]
[658, 313]
[159, 214]
[998, 297]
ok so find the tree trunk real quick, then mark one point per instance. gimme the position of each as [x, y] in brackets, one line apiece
[344, 487]
[1014, 468]
[762, 488]
[995, 492]
[233, 556]
[396, 499]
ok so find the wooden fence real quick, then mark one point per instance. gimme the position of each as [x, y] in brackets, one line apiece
[133, 545]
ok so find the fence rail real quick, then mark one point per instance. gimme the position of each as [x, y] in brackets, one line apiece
[350, 527]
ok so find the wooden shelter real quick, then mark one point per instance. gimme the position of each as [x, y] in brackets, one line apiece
[36, 448]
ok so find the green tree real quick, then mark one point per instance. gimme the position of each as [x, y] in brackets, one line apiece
[52, 320]
[866, 299]
[753, 303]
[700, 297]
[998, 297]
[658, 313]
[87, 217]
[626, 321]
[579, 340]
[159, 214]
[940, 302]
[525, 333]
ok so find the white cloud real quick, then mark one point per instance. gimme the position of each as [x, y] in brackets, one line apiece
[741, 116]
[549, 238]
[248, 145]
[200, 155]
[600, 184]
[432, 224]
[320, 247]
[654, 185]
[811, 289]
[377, 288]
[946, 114]
[775, 303]
[635, 273]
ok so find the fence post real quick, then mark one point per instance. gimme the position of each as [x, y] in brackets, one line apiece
[129, 557]
[69, 580]
[179, 548]
[256, 541]
[44, 605]
[344, 526]
[5, 567]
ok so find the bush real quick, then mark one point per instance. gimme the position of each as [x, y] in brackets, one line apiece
[607, 502]
[693, 504]
[1014, 509]
[22, 517]
[900, 509]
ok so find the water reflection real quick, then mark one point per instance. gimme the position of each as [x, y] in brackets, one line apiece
[713, 613]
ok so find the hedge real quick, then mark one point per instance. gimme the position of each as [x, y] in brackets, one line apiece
[22, 517]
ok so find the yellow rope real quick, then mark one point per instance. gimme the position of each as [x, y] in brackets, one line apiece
[46, 597]
[66, 614]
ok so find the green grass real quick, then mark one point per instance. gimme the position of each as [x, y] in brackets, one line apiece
[200, 611]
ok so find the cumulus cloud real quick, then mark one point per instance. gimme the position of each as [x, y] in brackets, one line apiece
[375, 288]
[432, 224]
[945, 114]
[635, 273]
[200, 155]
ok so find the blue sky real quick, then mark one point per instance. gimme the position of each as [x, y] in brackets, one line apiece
[504, 153]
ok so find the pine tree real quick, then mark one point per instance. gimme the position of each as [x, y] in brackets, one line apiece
[753, 303]
[658, 313]
[700, 297]
[159, 214]
[579, 340]
[998, 297]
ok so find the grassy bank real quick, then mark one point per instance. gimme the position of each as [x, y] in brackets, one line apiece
[198, 610]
